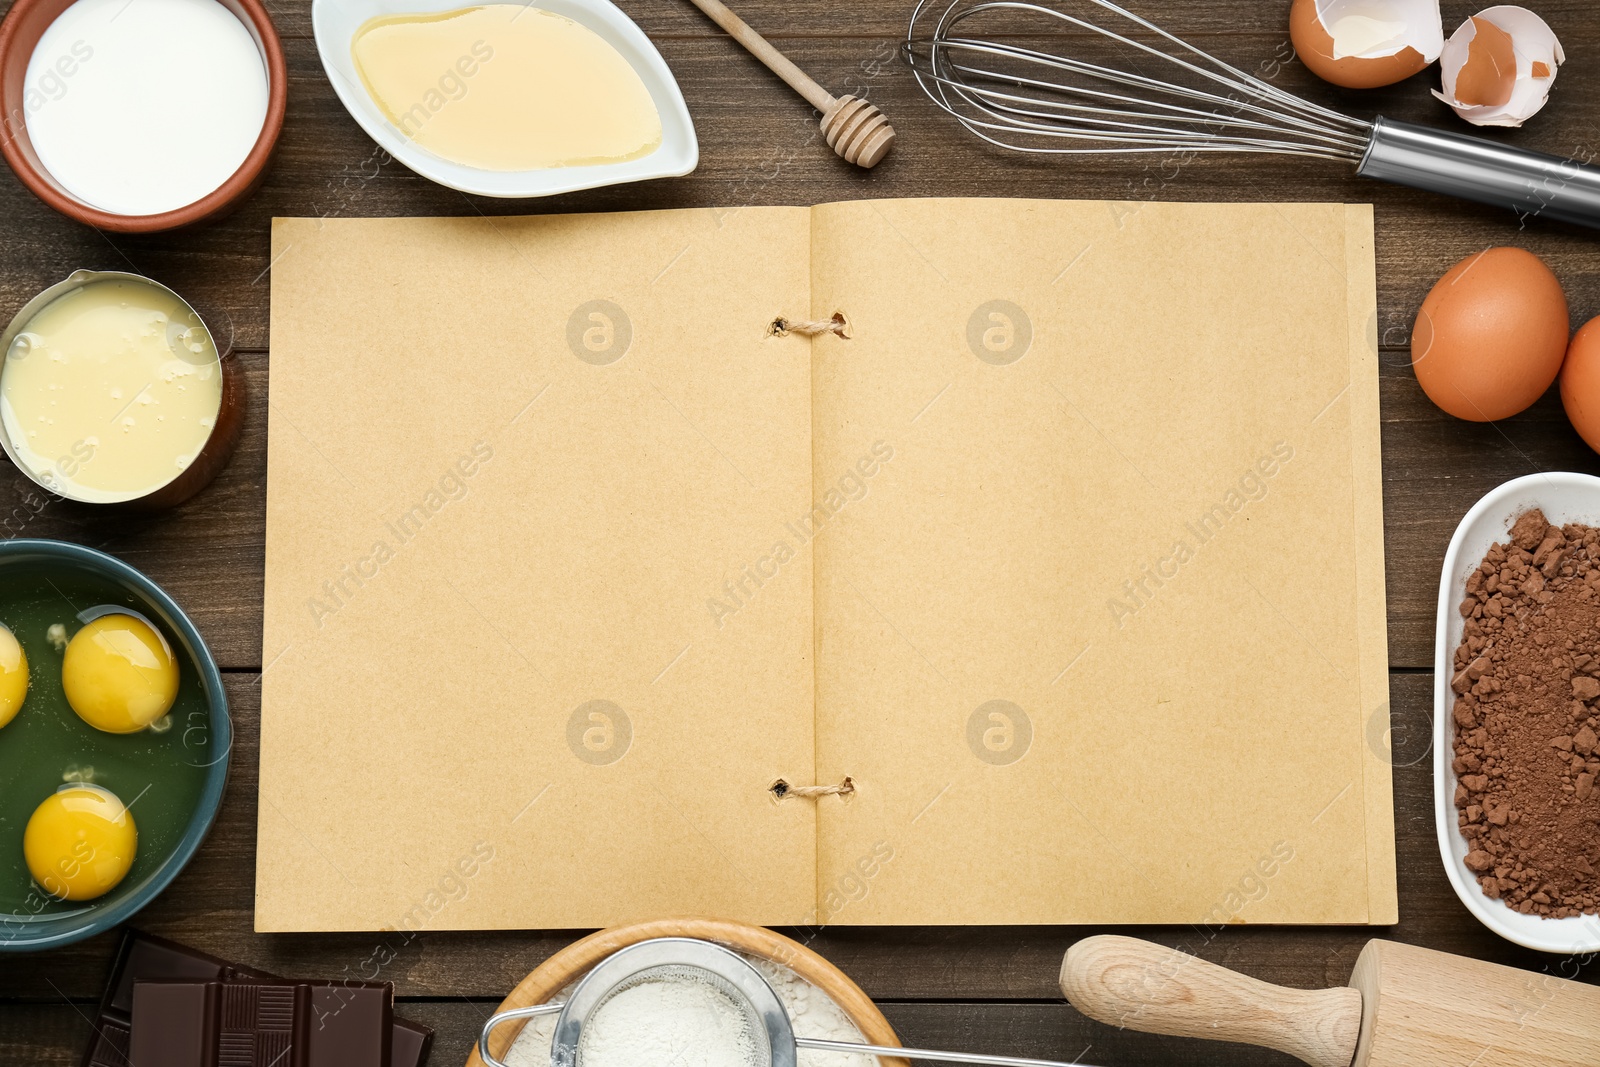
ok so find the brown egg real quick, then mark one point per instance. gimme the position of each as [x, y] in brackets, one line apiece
[1362, 44]
[1580, 384]
[1491, 335]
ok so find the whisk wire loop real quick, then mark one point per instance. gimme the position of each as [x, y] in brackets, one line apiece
[1029, 100]
[994, 99]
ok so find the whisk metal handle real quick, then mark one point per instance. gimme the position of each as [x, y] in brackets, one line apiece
[1472, 168]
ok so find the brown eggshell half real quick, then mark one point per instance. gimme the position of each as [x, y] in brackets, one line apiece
[1580, 384]
[1314, 45]
[1499, 67]
[1491, 335]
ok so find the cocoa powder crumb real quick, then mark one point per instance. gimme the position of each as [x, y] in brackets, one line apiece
[1527, 707]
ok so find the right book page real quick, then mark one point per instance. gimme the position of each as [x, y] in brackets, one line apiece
[1099, 602]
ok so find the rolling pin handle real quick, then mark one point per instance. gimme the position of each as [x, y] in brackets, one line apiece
[1140, 986]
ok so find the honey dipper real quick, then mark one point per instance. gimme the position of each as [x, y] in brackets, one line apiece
[853, 128]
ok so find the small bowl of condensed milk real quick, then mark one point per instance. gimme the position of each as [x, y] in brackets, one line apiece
[508, 99]
[113, 392]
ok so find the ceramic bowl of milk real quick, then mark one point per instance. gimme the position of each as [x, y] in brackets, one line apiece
[508, 99]
[143, 116]
[113, 393]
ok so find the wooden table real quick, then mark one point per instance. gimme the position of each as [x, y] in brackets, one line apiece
[980, 988]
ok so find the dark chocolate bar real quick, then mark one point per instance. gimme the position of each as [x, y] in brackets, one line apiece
[144, 957]
[261, 1024]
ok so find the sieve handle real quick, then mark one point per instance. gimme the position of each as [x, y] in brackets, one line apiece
[1532, 184]
[926, 1054]
[505, 1017]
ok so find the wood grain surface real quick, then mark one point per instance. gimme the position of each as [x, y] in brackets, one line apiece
[991, 989]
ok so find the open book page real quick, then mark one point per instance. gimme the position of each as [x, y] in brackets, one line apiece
[1100, 616]
[1377, 784]
[513, 465]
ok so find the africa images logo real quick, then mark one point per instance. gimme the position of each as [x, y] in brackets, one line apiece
[599, 732]
[599, 333]
[999, 732]
[999, 333]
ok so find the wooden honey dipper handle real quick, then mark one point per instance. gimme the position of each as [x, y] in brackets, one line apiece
[853, 128]
[1140, 986]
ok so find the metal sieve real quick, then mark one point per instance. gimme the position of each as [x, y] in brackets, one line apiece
[685, 959]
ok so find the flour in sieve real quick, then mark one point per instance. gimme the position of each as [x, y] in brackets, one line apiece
[813, 1013]
[681, 1022]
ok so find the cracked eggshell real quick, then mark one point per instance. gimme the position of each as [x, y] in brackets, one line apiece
[1362, 44]
[1499, 66]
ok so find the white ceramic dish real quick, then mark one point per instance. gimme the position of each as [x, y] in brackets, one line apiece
[1564, 498]
[335, 23]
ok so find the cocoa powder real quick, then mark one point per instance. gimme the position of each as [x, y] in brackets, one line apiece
[1527, 733]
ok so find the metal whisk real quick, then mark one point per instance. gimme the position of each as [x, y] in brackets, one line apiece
[1156, 93]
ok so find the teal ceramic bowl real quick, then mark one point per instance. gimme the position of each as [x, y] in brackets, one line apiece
[171, 779]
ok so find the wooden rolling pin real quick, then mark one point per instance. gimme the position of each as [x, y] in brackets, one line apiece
[853, 128]
[1404, 1007]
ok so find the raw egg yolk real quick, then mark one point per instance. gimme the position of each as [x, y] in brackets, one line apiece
[80, 843]
[13, 676]
[119, 675]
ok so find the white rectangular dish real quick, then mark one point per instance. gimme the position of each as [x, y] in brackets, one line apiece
[1563, 498]
[335, 23]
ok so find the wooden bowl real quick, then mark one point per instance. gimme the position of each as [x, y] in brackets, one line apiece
[574, 961]
[20, 32]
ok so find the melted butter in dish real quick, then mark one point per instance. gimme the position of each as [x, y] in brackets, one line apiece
[507, 87]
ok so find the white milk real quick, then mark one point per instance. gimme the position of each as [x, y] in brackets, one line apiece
[138, 107]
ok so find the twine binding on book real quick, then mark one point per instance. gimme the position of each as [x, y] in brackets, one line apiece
[783, 790]
[838, 324]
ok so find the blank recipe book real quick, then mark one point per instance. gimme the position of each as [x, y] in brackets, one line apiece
[883, 562]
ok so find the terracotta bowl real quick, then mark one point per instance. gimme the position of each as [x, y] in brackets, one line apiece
[574, 961]
[20, 32]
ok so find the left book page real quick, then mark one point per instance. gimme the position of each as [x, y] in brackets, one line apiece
[520, 472]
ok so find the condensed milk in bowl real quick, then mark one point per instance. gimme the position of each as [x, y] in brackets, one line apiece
[114, 392]
[508, 99]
